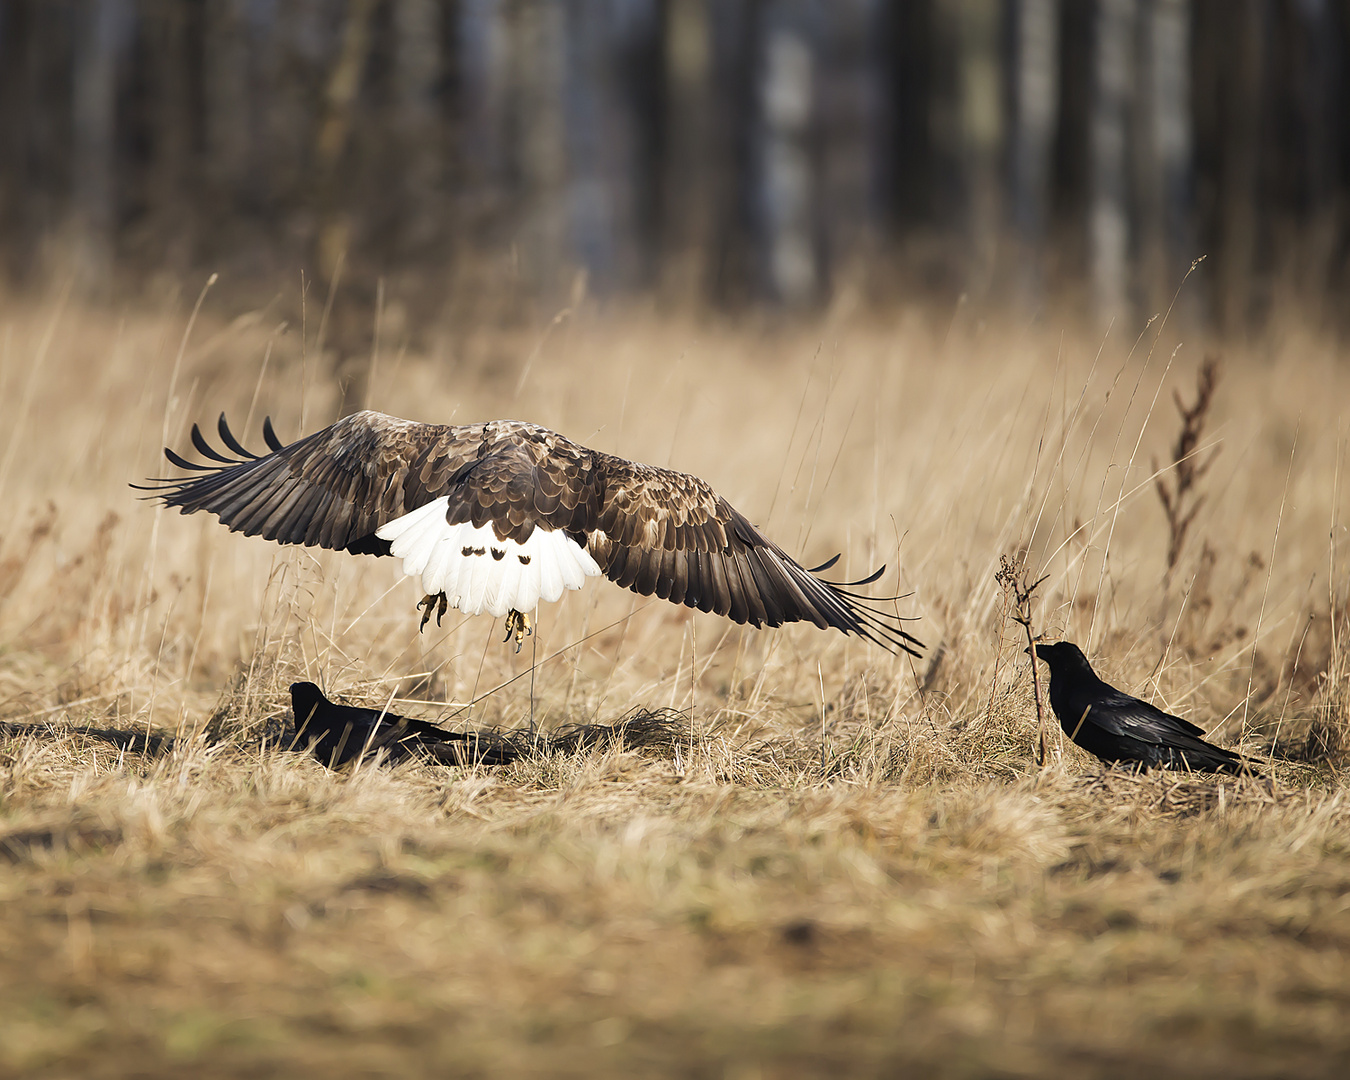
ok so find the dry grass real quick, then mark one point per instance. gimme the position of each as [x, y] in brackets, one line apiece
[851, 864]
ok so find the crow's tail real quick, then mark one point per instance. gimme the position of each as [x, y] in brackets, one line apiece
[1196, 755]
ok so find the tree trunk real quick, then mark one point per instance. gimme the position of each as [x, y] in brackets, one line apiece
[343, 85]
[170, 124]
[786, 177]
[1109, 220]
[686, 163]
[1319, 94]
[1035, 93]
[100, 34]
[736, 59]
[1162, 153]
[539, 154]
[980, 82]
[225, 76]
[1239, 164]
[595, 146]
[907, 37]
[849, 87]
[417, 67]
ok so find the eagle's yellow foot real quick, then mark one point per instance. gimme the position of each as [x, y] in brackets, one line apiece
[517, 626]
[432, 600]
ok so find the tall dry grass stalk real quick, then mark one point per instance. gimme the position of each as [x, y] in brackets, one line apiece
[848, 863]
[1178, 487]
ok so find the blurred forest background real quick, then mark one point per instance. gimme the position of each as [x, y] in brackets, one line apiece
[497, 159]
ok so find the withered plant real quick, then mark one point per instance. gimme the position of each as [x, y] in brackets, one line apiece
[1012, 577]
[1180, 498]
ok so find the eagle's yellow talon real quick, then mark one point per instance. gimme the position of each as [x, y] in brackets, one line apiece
[425, 605]
[517, 625]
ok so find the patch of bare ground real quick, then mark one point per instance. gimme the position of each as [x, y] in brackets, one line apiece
[845, 863]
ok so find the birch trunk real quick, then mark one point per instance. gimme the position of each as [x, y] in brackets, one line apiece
[1035, 95]
[1109, 214]
[417, 67]
[99, 34]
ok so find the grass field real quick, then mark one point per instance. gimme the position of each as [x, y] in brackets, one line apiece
[848, 864]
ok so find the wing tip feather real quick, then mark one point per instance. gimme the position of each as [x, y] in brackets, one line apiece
[227, 436]
[270, 435]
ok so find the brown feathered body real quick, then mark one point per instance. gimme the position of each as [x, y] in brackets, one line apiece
[469, 506]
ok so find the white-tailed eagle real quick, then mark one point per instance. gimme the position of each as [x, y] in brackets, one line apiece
[496, 517]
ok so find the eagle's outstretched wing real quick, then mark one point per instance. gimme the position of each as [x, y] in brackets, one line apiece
[445, 498]
[332, 489]
[670, 534]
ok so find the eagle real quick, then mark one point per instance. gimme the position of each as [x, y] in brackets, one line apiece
[495, 517]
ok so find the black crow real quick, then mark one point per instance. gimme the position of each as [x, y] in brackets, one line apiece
[1120, 729]
[337, 734]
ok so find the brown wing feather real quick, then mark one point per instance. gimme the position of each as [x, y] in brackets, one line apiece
[335, 488]
[332, 489]
[669, 534]
[655, 531]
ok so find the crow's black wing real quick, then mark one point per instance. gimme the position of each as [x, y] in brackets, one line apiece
[1139, 731]
[1121, 714]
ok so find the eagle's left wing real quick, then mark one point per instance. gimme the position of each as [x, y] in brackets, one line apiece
[332, 489]
[669, 534]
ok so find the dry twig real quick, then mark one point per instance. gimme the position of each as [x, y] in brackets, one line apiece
[1180, 501]
[1012, 578]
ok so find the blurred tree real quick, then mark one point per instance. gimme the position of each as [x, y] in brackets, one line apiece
[1072, 157]
[681, 214]
[339, 100]
[479, 155]
[100, 37]
[225, 80]
[907, 55]
[1162, 154]
[168, 124]
[981, 125]
[849, 207]
[615, 133]
[1309, 72]
[538, 162]
[287, 84]
[1229, 64]
[736, 35]
[785, 169]
[417, 78]
[1035, 76]
[1109, 220]
[482, 85]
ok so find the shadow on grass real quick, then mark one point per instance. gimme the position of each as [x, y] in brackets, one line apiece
[136, 742]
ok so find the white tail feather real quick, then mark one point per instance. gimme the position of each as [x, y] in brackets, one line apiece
[539, 569]
[550, 573]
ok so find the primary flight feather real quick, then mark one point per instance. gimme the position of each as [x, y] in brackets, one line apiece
[496, 517]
